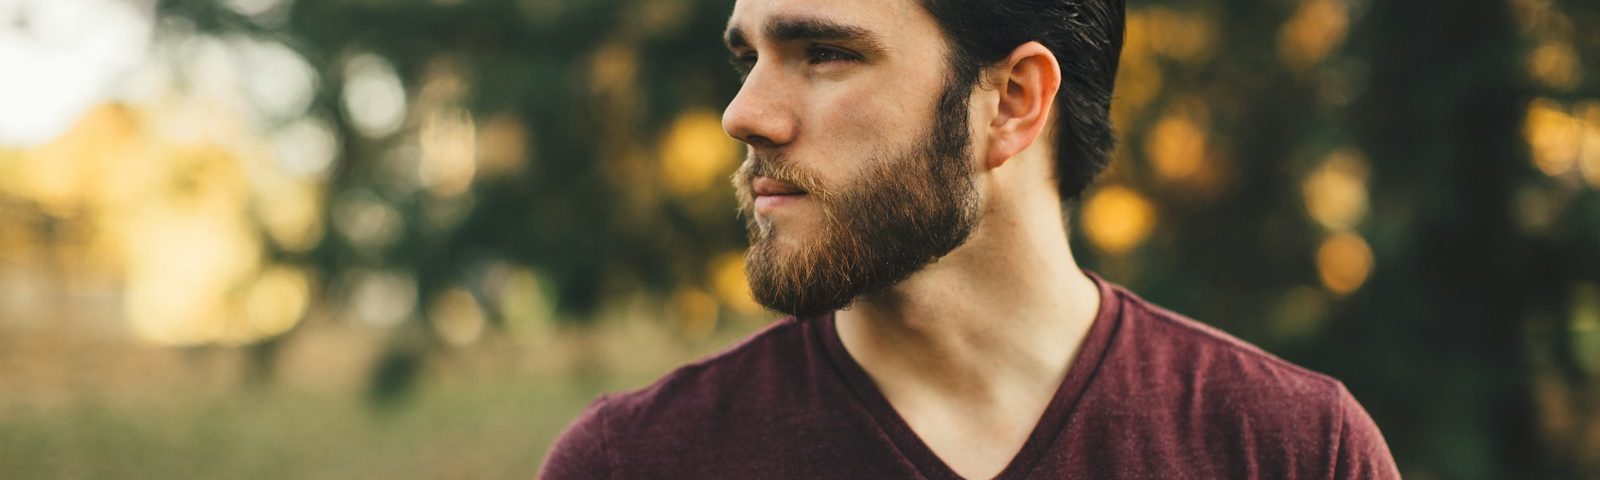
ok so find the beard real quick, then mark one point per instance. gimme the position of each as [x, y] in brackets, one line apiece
[904, 212]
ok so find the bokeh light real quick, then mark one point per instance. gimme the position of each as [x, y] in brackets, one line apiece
[1554, 135]
[1316, 29]
[1343, 262]
[457, 317]
[373, 97]
[1336, 192]
[1117, 219]
[696, 154]
[1177, 143]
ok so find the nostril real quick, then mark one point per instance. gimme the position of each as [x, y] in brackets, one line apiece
[759, 142]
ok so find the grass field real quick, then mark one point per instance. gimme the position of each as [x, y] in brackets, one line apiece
[76, 406]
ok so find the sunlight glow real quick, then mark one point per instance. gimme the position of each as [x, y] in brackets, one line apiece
[60, 56]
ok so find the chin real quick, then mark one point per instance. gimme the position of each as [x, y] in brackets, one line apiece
[784, 241]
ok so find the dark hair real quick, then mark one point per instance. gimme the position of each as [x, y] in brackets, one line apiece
[1086, 38]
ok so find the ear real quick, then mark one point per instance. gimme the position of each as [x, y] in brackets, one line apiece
[1027, 81]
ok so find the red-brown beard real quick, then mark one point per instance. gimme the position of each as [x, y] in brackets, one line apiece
[902, 213]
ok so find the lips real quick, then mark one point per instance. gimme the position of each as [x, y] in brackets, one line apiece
[772, 195]
[764, 187]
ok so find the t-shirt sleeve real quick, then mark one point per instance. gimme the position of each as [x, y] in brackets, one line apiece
[581, 451]
[1361, 451]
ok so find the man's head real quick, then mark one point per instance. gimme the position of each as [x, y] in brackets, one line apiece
[874, 128]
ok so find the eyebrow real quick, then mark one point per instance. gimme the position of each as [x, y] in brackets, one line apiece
[789, 29]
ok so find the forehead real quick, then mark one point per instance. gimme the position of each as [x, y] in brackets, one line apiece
[892, 21]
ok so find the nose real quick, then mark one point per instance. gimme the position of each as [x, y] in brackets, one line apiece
[762, 114]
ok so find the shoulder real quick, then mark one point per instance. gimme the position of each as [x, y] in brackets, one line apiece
[1174, 349]
[693, 400]
[1243, 398]
[581, 452]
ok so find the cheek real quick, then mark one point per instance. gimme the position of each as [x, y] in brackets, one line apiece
[853, 125]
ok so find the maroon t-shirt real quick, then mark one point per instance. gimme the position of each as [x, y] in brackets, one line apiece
[1151, 394]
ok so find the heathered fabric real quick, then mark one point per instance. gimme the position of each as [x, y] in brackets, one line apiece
[1151, 394]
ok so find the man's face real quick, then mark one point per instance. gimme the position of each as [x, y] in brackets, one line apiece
[859, 171]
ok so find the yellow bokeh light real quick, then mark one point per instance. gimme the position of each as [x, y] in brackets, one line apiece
[1589, 143]
[1343, 262]
[170, 202]
[182, 263]
[1116, 219]
[291, 213]
[729, 282]
[1177, 143]
[1555, 65]
[1553, 136]
[449, 152]
[456, 317]
[502, 146]
[1140, 78]
[1317, 28]
[614, 68]
[1184, 36]
[69, 171]
[1336, 192]
[1542, 19]
[278, 300]
[696, 154]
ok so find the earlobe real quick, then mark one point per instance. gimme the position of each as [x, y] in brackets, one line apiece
[1029, 79]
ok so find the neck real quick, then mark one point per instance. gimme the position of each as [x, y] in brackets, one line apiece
[996, 321]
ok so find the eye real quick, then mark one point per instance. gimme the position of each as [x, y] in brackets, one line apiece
[820, 54]
[742, 63]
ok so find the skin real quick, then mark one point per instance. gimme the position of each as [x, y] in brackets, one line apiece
[971, 349]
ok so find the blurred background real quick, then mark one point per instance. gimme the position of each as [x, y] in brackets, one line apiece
[413, 238]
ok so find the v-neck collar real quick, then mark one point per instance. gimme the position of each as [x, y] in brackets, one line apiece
[1044, 433]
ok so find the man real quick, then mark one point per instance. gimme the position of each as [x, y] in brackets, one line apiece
[908, 163]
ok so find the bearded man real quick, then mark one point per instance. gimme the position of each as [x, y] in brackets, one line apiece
[909, 163]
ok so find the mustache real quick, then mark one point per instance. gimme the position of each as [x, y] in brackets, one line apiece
[776, 166]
